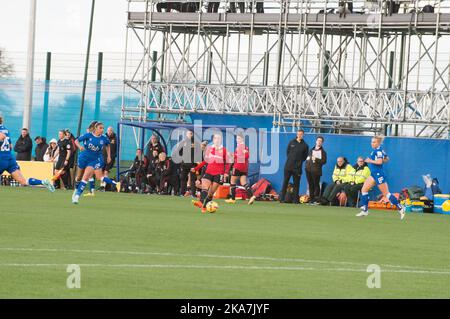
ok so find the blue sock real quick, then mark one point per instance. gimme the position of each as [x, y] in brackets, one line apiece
[364, 202]
[394, 201]
[91, 185]
[108, 180]
[34, 182]
[81, 187]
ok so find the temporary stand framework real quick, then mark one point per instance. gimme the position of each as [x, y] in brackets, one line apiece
[365, 71]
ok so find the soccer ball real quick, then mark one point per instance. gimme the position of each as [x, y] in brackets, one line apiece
[211, 207]
[304, 199]
[446, 206]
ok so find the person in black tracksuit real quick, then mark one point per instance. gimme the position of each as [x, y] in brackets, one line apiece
[199, 174]
[317, 158]
[154, 145]
[297, 152]
[213, 6]
[186, 151]
[112, 137]
[165, 175]
[392, 7]
[240, 4]
[151, 173]
[139, 170]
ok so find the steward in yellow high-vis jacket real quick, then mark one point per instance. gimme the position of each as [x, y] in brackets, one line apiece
[360, 174]
[342, 176]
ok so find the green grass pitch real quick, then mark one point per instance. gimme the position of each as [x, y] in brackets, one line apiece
[139, 246]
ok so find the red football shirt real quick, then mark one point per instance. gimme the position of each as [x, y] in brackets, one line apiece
[217, 159]
[241, 156]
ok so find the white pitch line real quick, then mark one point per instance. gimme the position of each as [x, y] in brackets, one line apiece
[228, 267]
[144, 253]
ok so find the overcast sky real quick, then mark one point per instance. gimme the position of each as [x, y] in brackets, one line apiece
[62, 28]
[62, 25]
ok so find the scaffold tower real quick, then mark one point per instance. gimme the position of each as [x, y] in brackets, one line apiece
[340, 66]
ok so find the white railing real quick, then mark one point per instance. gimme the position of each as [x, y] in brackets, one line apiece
[380, 106]
[293, 6]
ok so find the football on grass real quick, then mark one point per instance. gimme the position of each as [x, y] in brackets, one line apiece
[211, 207]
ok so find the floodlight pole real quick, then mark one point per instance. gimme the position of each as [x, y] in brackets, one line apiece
[88, 51]
[28, 102]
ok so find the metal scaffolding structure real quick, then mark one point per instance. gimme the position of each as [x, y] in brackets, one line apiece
[305, 63]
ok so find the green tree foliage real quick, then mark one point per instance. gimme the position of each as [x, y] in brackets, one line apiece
[6, 68]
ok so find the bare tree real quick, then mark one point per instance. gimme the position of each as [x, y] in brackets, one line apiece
[6, 68]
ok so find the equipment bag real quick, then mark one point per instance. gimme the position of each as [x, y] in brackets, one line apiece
[241, 193]
[261, 187]
[428, 206]
[415, 192]
[289, 196]
[435, 187]
[124, 183]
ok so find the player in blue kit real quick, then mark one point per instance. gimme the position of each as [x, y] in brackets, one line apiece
[376, 160]
[8, 162]
[80, 171]
[91, 158]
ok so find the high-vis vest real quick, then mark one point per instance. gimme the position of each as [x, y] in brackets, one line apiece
[345, 174]
[359, 176]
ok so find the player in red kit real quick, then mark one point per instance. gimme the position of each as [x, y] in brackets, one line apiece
[218, 161]
[240, 171]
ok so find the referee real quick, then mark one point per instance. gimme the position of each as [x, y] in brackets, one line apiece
[62, 165]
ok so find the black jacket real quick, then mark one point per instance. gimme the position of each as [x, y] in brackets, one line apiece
[151, 168]
[194, 147]
[157, 147]
[164, 168]
[40, 150]
[316, 166]
[297, 152]
[140, 164]
[113, 145]
[73, 150]
[23, 148]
